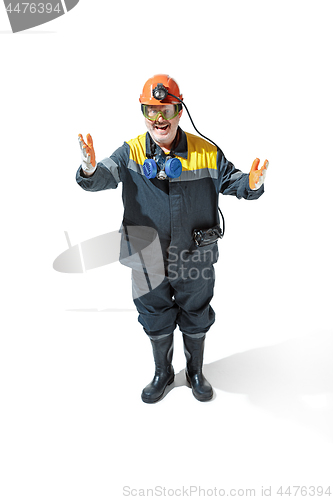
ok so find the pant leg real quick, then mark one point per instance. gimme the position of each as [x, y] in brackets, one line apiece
[194, 290]
[157, 309]
[193, 297]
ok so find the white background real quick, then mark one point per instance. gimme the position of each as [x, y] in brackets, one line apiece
[257, 79]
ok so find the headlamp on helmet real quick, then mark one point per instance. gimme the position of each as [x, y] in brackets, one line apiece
[160, 92]
[161, 89]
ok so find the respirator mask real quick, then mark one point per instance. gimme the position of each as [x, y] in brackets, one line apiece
[158, 165]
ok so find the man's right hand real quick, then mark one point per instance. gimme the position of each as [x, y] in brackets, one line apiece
[87, 155]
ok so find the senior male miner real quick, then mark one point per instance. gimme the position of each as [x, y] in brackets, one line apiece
[171, 182]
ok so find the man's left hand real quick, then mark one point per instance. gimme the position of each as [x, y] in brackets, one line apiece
[257, 177]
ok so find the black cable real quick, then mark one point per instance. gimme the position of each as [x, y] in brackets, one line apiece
[223, 221]
[162, 96]
[193, 121]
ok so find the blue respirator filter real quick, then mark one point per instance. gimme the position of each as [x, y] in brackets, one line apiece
[150, 169]
[173, 168]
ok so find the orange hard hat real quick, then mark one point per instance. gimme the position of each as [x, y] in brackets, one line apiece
[169, 83]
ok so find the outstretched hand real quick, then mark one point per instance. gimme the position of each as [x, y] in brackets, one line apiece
[87, 154]
[257, 177]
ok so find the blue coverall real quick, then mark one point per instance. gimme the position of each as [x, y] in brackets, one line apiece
[174, 208]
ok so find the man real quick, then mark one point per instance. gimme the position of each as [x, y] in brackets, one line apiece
[171, 182]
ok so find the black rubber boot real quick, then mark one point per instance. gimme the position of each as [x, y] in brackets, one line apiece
[164, 373]
[194, 349]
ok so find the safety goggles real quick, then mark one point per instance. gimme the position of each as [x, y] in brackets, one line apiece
[168, 111]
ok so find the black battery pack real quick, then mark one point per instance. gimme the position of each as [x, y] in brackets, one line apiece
[204, 237]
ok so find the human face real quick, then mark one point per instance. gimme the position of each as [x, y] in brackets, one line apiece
[163, 131]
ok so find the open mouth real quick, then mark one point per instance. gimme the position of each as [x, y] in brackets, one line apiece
[163, 127]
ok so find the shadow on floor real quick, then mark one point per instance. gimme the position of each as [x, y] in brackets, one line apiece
[292, 380]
